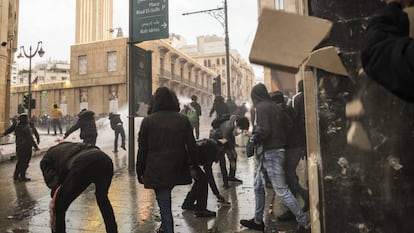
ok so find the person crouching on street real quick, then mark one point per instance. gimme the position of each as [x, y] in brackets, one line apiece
[68, 169]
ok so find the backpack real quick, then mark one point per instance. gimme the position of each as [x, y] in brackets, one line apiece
[192, 116]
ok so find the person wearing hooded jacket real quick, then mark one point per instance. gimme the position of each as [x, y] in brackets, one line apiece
[219, 106]
[270, 117]
[87, 126]
[118, 128]
[68, 168]
[24, 143]
[167, 152]
[388, 53]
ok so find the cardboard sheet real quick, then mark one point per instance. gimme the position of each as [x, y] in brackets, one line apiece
[284, 40]
[327, 59]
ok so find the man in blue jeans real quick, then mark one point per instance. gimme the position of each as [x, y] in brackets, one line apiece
[270, 117]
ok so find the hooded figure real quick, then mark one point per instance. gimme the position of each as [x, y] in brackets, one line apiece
[87, 126]
[219, 106]
[166, 151]
[24, 144]
[118, 128]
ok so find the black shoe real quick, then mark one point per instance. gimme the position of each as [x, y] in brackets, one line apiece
[123, 147]
[24, 179]
[115, 151]
[234, 179]
[186, 206]
[286, 216]
[302, 229]
[204, 213]
[251, 224]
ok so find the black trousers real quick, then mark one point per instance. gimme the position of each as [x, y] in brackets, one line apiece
[119, 130]
[23, 155]
[199, 191]
[56, 123]
[94, 168]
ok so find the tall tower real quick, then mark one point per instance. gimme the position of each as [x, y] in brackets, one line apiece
[93, 20]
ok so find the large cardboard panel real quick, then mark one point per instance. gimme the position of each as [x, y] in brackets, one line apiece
[284, 40]
[327, 59]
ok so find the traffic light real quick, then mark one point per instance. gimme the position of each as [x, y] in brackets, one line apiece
[26, 98]
[217, 85]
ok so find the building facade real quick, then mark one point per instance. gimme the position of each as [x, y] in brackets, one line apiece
[93, 20]
[210, 51]
[9, 11]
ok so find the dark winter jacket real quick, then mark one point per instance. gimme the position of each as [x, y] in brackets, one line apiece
[227, 129]
[269, 116]
[24, 135]
[115, 120]
[58, 160]
[219, 107]
[197, 108]
[208, 152]
[12, 128]
[86, 124]
[388, 56]
[298, 109]
[166, 144]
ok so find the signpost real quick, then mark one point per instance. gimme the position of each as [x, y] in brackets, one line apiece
[150, 20]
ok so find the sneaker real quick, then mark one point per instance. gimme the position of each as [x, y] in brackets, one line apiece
[186, 206]
[286, 216]
[24, 179]
[123, 147]
[204, 213]
[234, 179]
[251, 224]
[302, 229]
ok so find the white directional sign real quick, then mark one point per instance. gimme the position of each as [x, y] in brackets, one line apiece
[150, 20]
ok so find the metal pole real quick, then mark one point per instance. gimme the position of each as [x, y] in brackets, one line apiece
[29, 105]
[227, 44]
[131, 107]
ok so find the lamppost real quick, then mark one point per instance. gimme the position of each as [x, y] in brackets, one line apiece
[39, 50]
[217, 13]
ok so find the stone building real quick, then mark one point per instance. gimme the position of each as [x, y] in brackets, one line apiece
[210, 51]
[8, 45]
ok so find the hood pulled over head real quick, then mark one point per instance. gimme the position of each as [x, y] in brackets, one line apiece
[259, 93]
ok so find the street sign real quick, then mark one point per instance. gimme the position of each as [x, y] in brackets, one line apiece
[149, 20]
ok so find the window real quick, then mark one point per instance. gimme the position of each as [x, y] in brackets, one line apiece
[64, 78]
[112, 61]
[223, 61]
[218, 61]
[83, 65]
[53, 78]
[208, 63]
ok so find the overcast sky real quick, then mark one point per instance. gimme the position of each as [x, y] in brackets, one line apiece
[53, 22]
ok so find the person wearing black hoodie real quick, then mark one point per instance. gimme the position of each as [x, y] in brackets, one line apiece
[87, 126]
[167, 152]
[219, 106]
[118, 128]
[24, 143]
[388, 53]
[68, 169]
[270, 118]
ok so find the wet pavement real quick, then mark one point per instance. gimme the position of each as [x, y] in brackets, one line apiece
[24, 206]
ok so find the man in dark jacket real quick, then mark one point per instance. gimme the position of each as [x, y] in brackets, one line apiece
[196, 199]
[87, 126]
[167, 152]
[388, 56]
[24, 143]
[219, 106]
[271, 119]
[196, 124]
[118, 128]
[68, 169]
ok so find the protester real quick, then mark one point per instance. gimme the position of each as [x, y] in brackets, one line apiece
[68, 169]
[296, 144]
[56, 116]
[118, 128]
[387, 57]
[196, 122]
[87, 126]
[196, 199]
[270, 118]
[166, 152]
[229, 130]
[219, 106]
[24, 143]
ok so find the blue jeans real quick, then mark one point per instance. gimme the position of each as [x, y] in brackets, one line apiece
[164, 202]
[272, 162]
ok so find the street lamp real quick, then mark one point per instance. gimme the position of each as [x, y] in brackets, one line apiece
[41, 52]
[217, 14]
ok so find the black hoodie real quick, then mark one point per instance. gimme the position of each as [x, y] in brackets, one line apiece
[269, 116]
